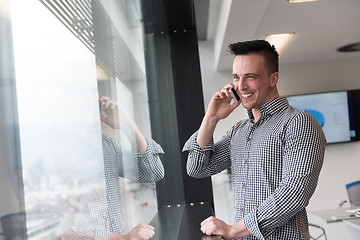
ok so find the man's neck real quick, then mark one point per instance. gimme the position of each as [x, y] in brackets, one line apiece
[256, 111]
[256, 114]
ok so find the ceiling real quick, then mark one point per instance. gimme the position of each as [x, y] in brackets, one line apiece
[320, 27]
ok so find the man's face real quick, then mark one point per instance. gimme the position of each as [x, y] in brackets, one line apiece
[253, 81]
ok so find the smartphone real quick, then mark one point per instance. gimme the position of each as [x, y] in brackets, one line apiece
[234, 95]
[101, 104]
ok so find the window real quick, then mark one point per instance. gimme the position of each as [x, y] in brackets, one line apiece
[85, 168]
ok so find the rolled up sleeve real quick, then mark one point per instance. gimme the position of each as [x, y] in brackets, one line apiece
[150, 165]
[212, 160]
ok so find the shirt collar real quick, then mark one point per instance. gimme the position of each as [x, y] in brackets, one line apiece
[271, 107]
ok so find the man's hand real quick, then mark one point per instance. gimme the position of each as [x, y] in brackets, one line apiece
[109, 112]
[140, 232]
[214, 226]
[219, 106]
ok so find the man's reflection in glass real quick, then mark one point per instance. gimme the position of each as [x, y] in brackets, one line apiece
[144, 167]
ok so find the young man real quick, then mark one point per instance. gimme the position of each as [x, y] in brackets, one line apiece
[140, 164]
[275, 156]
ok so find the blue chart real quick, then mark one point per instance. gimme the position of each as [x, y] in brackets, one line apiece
[318, 115]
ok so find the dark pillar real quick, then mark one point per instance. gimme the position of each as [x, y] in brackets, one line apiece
[175, 95]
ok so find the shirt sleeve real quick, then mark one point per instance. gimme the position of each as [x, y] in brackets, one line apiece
[303, 154]
[212, 160]
[151, 168]
[132, 165]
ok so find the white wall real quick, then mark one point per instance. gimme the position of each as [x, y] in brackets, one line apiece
[342, 161]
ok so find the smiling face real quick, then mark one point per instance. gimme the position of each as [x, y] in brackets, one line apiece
[253, 81]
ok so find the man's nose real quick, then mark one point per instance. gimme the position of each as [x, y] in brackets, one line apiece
[240, 85]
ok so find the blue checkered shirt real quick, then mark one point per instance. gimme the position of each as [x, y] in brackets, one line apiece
[275, 164]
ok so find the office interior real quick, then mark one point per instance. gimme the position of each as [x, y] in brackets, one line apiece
[161, 61]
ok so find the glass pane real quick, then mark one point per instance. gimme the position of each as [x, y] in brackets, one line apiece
[118, 38]
[12, 217]
[88, 163]
[63, 170]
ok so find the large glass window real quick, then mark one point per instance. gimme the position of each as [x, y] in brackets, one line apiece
[87, 164]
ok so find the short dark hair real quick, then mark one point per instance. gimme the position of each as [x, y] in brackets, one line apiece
[261, 47]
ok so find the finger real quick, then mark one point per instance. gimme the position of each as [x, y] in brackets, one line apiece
[109, 104]
[221, 94]
[150, 227]
[104, 98]
[205, 226]
[209, 226]
[147, 229]
[151, 234]
[147, 233]
[226, 91]
[218, 94]
[144, 225]
[228, 86]
[144, 237]
[204, 222]
[209, 229]
[207, 220]
[210, 232]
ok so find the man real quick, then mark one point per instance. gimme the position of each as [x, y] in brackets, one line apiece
[275, 156]
[141, 164]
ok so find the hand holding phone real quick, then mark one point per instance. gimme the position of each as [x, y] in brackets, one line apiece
[234, 95]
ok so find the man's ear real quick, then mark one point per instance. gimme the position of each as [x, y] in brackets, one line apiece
[274, 79]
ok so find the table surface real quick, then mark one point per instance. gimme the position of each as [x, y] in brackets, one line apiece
[182, 221]
[353, 222]
[340, 214]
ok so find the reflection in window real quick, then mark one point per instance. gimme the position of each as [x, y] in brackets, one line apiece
[118, 44]
[59, 127]
[72, 156]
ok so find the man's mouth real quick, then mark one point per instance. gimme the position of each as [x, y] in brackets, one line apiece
[246, 95]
